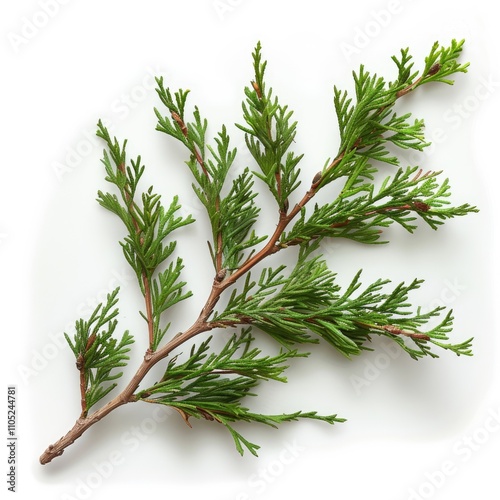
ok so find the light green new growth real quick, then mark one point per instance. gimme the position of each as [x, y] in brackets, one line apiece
[294, 306]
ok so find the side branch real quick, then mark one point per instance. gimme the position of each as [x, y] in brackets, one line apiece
[145, 279]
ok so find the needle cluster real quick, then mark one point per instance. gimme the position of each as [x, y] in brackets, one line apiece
[294, 305]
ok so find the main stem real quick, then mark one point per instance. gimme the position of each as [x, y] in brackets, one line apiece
[202, 324]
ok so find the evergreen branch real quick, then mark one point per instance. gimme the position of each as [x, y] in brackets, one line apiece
[364, 123]
[375, 99]
[209, 176]
[294, 305]
[442, 62]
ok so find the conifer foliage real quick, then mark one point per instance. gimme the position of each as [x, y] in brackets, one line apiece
[295, 305]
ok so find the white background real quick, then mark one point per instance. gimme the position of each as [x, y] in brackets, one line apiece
[427, 429]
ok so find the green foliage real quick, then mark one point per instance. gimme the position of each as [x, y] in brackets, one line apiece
[367, 123]
[308, 301]
[233, 216]
[211, 386]
[269, 133]
[297, 304]
[97, 353]
[238, 212]
[149, 225]
[367, 126]
[442, 62]
[361, 211]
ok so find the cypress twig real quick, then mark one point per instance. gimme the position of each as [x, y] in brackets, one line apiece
[294, 305]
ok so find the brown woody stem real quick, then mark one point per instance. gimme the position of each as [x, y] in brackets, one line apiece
[83, 386]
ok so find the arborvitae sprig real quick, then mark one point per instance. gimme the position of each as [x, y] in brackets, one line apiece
[295, 305]
[98, 353]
